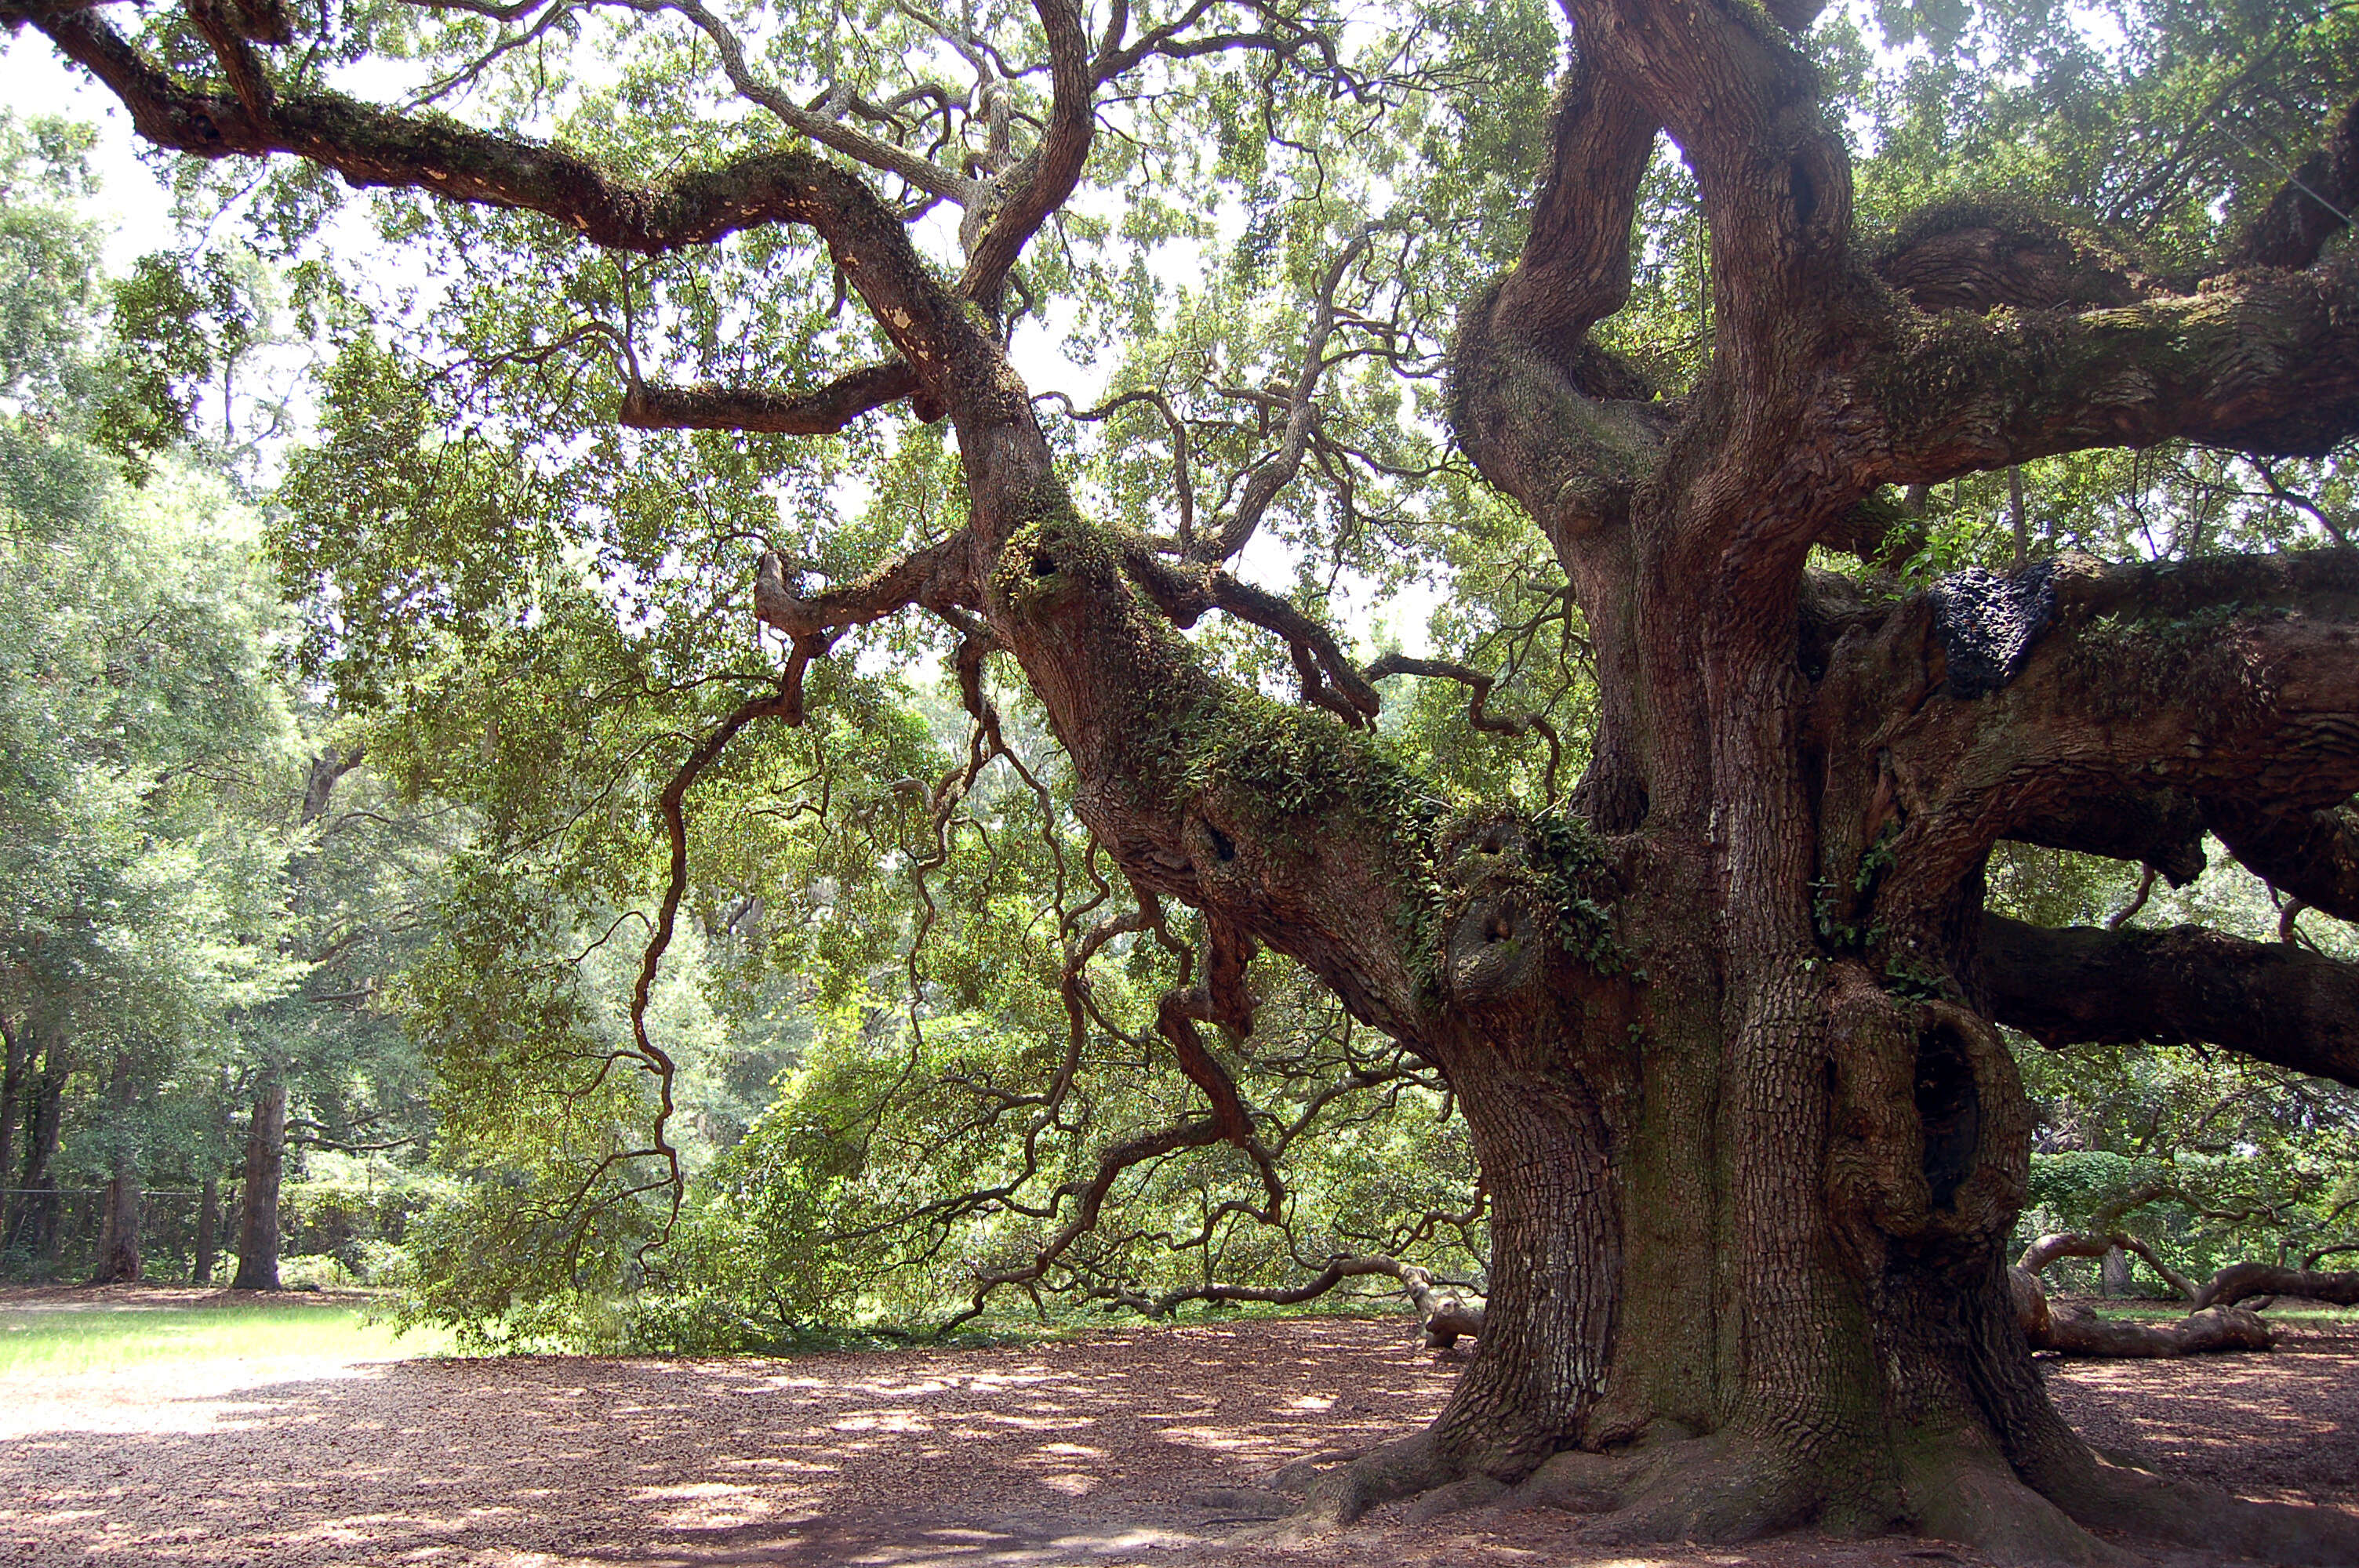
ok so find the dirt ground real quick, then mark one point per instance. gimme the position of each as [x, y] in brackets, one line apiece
[1108, 1450]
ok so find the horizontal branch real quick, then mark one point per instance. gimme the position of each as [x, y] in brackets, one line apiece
[2262, 361]
[1445, 1315]
[1980, 255]
[2162, 828]
[2185, 986]
[821, 412]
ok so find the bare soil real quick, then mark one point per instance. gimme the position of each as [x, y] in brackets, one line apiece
[1135, 1446]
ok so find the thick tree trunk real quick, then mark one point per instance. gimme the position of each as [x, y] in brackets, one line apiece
[208, 1233]
[118, 1246]
[266, 1148]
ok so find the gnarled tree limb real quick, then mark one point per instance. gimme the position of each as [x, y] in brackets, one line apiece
[1397, 663]
[2074, 1330]
[940, 576]
[951, 356]
[2023, 700]
[2239, 1281]
[2080, 1244]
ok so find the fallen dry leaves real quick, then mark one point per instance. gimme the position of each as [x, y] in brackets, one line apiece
[1107, 1449]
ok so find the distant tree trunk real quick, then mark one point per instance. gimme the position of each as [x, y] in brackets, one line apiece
[12, 1089]
[35, 1229]
[266, 1148]
[208, 1232]
[118, 1245]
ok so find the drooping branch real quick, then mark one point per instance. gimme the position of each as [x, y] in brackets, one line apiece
[2047, 1249]
[1878, 528]
[1477, 714]
[2313, 855]
[2185, 986]
[672, 805]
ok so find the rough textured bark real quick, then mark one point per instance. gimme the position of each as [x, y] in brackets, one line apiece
[1723, 1031]
[265, 1152]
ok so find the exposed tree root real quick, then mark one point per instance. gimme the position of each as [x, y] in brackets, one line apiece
[1725, 1489]
[1978, 1500]
[1401, 1468]
[1713, 1489]
[2113, 1496]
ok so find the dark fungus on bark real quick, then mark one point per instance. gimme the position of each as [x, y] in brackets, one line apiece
[1988, 624]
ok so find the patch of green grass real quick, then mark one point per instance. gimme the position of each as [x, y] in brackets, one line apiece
[61, 1340]
[2320, 1315]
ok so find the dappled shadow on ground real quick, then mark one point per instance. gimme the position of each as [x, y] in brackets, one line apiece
[2282, 1427]
[1096, 1451]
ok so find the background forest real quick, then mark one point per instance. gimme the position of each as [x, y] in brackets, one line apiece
[363, 919]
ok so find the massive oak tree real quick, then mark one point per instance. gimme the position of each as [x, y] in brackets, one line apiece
[1724, 1024]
